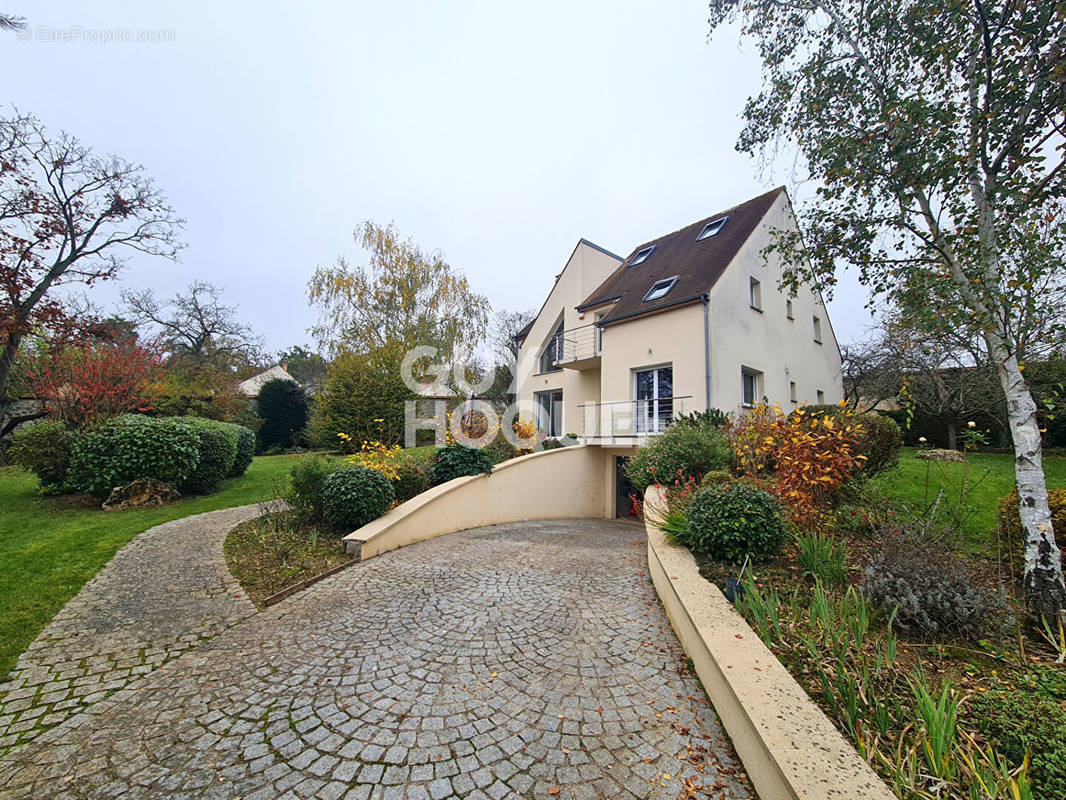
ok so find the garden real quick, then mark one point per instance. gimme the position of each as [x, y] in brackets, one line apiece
[887, 581]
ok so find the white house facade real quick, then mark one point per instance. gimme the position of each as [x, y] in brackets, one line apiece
[689, 321]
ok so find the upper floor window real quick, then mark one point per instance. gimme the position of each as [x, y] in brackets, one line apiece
[642, 256]
[712, 228]
[553, 351]
[755, 294]
[788, 309]
[817, 330]
[660, 289]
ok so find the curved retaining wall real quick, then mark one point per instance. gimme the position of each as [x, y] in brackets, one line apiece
[554, 484]
[790, 749]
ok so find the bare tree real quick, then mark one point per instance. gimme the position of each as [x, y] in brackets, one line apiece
[67, 216]
[505, 325]
[196, 326]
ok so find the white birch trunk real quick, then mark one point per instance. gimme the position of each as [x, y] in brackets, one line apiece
[1045, 593]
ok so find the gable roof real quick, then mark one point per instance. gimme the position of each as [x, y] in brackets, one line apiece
[697, 264]
[251, 387]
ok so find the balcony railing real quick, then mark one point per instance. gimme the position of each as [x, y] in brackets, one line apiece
[627, 420]
[578, 345]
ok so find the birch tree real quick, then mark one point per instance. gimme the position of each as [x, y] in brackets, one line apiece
[936, 136]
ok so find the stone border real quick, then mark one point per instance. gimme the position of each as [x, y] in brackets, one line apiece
[299, 586]
[564, 483]
[788, 746]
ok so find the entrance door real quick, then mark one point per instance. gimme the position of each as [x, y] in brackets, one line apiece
[654, 399]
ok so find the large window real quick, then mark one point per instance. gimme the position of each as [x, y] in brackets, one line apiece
[654, 393]
[550, 412]
[750, 381]
[553, 351]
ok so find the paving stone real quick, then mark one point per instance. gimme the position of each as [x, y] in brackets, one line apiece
[491, 663]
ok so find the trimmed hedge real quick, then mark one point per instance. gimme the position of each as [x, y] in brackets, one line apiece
[728, 521]
[457, 461]
[44, 449]
[130, 447]
[353, 496]
[245, 450]
[218, 453]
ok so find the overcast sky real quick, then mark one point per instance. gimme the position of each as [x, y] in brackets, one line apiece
[498, 132]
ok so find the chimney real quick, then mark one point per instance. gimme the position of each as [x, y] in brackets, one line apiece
[285, 365]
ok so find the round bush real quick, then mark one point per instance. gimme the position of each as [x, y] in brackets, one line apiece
[245, 451]
[44, 449]
[354, 496]
[218, 451]
[130, 447]
[283, 407]
[732, 520]
[685, 451]
[456, 461]
[304, 491]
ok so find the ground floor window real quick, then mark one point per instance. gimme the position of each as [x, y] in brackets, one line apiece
[550, 412]
[749, 385]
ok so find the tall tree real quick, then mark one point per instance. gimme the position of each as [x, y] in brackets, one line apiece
[505, 324]
[402, 296]
[67, 216]
[197, 326]
[935, 134]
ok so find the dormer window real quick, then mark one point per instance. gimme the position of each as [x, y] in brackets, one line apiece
[660, 289]
[642, 256]
[712, 228]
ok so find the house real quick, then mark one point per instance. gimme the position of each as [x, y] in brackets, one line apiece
[251, 386]
[689, 321]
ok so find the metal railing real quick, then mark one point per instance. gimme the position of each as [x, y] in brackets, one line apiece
[579, 343]
[629, 419]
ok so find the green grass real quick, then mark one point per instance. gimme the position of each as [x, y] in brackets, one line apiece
[49, 550]
[987, 476]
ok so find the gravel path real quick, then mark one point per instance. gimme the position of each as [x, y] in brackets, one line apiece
[523, 660]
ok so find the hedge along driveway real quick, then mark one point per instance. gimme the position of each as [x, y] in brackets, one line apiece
[49, 549]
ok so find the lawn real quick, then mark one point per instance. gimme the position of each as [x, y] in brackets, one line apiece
[49, 549]
[987, 476]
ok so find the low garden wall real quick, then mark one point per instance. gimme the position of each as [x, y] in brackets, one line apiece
[789, 748]
[568, 482]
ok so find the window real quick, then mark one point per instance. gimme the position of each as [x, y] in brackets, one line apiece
[817, 330]
[792, 391]
[552, 352]
[660, 289]
[821, 397]
[654, 394]
[755, 294]
[788, 309]
[712, 228]
[749, 383]
[642, 256]
[550, 412]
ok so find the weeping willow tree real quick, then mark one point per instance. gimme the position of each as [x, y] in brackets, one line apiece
[936, 136]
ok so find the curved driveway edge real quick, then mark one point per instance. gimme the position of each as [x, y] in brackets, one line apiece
[164, 592]
[514, 661]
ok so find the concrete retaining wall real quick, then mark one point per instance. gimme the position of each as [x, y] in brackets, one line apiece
[789, 747]
[555, 484]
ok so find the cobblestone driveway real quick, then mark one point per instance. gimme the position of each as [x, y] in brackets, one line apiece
[525, 660]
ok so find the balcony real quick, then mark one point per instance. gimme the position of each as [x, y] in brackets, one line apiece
[627, 422]
[578, 348]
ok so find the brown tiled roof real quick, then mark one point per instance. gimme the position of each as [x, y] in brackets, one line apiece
[697, 265]
[522, 334]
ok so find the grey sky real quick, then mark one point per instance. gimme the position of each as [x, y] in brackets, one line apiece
[497, 132]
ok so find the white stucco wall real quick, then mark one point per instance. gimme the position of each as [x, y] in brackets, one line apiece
[782, 349]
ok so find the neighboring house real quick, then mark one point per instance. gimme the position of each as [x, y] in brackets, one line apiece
[251, 387]
[689, 321]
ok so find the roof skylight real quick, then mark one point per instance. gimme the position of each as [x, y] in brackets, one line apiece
[642, 256]
[712, 228]
[660, 289]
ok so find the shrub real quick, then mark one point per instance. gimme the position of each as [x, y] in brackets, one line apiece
[500, 450]
[716, 477]
[455, 461]
[879, 441]
[245, 450]
[412, 476]
[681, 452]
[551, 444]
[712, 418]
[218, 453]
[929, 587]
[1011, 524]
[353, 496]
[44, 449]
[821, 556]
[1027, 719]
[130, 447]
[282, 404]
[304, 489]
[730, 521]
